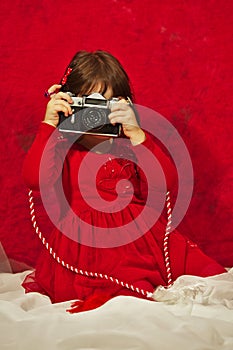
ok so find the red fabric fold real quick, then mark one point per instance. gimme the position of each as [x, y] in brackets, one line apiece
[90, 303]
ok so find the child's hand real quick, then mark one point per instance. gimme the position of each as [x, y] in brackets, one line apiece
[122, 113]
[59, 102]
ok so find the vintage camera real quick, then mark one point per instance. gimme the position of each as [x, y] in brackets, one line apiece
[90, 116]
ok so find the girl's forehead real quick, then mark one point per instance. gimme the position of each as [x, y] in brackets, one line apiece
[98, 87]
[101, 88]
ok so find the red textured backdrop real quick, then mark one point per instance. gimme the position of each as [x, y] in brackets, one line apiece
[179, 57]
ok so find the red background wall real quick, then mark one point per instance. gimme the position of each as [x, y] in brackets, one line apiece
[179, 57]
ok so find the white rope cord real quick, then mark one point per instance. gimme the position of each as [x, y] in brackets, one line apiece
[96, 274]
[166, 240]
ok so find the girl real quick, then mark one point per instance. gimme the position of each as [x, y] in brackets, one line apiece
[76, 264]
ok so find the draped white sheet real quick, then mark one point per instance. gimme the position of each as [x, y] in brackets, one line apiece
[195, 313]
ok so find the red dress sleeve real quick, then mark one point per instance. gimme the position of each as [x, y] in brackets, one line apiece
[165, 161]
[169, 173]
[43, 148]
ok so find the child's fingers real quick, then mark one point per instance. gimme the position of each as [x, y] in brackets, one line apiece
[62, 106]
[54, 87]
[123, 117]
[52, 90]
[118, 106]
[62, 96]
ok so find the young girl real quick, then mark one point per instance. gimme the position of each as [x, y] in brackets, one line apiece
[75, 265]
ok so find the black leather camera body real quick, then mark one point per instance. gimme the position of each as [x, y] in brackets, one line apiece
[89, 116]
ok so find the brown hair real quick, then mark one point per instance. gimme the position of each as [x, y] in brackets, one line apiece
[98, 67]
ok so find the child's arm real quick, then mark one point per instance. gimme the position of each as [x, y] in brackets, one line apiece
[152, 178]
[46, 173]
[167, 165]
[143, 142]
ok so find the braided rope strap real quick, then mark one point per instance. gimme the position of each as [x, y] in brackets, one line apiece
[166, 240]
[70, 267]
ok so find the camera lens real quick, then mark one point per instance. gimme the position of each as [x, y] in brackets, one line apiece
[93, 118]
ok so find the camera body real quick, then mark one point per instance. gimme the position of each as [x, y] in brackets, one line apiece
[89, 116]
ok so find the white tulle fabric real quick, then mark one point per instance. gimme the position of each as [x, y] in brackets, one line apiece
[194, 313]
[206, 291]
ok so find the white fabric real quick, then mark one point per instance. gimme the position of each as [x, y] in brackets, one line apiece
[195, 313]
[5, 265]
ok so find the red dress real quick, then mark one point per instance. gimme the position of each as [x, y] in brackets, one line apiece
[137, 259]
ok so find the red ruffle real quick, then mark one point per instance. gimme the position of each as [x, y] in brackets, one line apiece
[90, 303]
